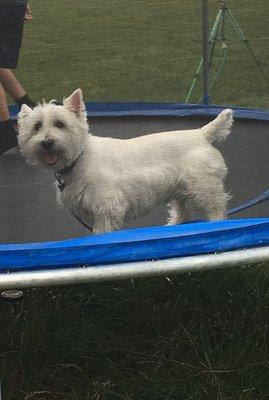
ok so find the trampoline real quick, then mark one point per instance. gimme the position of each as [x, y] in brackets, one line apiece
[43, 245]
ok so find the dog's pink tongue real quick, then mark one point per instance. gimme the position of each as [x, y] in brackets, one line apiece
[50, 158]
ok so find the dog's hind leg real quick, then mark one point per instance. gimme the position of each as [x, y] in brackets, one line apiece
[178, 212]
[211, 199]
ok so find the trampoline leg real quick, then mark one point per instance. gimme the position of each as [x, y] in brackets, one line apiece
[11, 295]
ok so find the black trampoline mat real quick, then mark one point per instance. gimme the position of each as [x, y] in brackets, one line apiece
[28, 209]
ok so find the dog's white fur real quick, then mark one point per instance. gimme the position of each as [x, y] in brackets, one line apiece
[114, 180]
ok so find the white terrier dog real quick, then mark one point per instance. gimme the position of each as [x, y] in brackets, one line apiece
[105, 181]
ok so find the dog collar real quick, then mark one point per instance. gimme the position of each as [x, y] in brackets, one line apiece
[59, 175]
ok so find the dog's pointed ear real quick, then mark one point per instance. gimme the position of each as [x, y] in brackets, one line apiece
[25, 111]
[75, 102]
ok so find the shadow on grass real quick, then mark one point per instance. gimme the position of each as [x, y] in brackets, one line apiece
[194, 336]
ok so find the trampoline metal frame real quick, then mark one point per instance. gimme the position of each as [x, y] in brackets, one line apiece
[139, 269]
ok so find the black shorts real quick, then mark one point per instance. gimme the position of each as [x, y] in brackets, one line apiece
[11, 30]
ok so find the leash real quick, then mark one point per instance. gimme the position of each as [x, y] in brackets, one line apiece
[82, 223]
[260, 199]
[59, 175]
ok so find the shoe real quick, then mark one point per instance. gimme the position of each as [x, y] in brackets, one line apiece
[26, 100]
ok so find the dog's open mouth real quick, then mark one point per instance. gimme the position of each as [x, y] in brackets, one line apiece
[50, 158]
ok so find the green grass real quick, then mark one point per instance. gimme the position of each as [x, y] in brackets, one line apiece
[140, 50]
[192, 337]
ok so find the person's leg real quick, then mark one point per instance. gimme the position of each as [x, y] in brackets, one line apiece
[4, 112]
[11, 30]
[11, 84]
[8, 137]
[13, 87]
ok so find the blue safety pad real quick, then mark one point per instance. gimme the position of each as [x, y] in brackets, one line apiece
[161, 242]
[125, 109]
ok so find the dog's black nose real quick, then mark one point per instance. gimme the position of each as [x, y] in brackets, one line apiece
[47, 144]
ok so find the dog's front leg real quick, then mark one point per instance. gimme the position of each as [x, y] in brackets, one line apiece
[105, 223]
[107, 211]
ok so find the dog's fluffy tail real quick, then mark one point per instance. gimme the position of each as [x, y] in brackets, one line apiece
[219, 128]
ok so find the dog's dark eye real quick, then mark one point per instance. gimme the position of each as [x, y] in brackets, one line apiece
[37, 126]
[59, 124]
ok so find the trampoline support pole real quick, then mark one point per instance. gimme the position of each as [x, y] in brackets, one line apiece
[205, 53]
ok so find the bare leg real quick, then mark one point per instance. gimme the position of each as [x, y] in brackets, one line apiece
[11, 85]
[4, 113]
